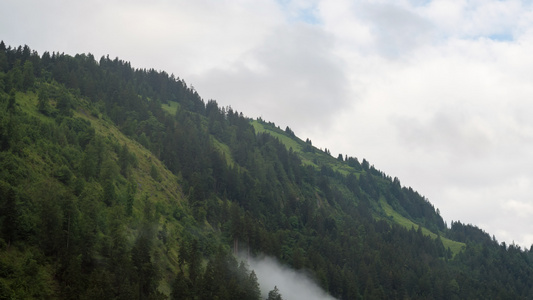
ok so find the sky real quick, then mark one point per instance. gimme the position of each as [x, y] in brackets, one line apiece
[436, 93]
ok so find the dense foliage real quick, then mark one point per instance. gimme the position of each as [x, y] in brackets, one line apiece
[123, 183]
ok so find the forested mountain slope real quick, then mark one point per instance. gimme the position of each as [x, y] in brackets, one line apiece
[124, 183]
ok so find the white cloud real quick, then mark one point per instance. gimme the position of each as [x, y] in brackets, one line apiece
[300, 10]
[520, 209]
[292, 285]
[187, 36]
[396, 30]
[474, 19]
[291, 78]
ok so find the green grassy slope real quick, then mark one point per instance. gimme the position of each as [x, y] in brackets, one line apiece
[163, 191]
[315, 158]
[394, 216]
[319, 158]
[171, 107]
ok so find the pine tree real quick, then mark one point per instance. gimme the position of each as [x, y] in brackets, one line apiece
[28, 78]
[130, 198]
[42, 104]
[123, 160]
[195, 265]
[64, 104]
[12, 100]
[3, 57]
[180, 288]
[146, 272]
[9, 212]
[15, 77]
[252, 286]
[274, 294]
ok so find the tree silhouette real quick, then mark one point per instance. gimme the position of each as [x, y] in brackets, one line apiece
[274, 294]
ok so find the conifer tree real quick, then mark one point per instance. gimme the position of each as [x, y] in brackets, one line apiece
[3, 57]
[42, 101]
[274, 294]
[252, 286]
[180, 288]
[12, 100]
[9, 212]
[28, 78]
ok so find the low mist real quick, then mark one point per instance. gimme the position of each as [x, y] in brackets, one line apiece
[292, 285]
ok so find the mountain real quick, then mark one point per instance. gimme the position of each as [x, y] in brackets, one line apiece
[123, 183]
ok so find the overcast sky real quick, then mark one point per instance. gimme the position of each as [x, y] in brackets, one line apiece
[436, 93]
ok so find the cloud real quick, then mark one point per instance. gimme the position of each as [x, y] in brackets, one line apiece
[396, 30]
[181, 35]
[292, 285]
[475, 19]
[292, 77]
[520, 209]
[300, 10]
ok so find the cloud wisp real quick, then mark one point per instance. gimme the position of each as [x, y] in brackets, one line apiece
[292, 285]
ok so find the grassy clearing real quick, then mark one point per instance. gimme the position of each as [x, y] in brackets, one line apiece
[224, 149]
[171, 107]
[454, 246]
[279, 134]
[307, 158]
[167, 189]
[319, 158]
[27, 102]
[316, 158]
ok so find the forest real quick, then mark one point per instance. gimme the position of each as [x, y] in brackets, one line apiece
[123, 183]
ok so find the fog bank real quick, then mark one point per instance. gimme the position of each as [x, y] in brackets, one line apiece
[292, 285]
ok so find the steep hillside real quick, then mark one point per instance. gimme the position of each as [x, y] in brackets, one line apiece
[73, 186]
[119, 183]
[382, 209]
